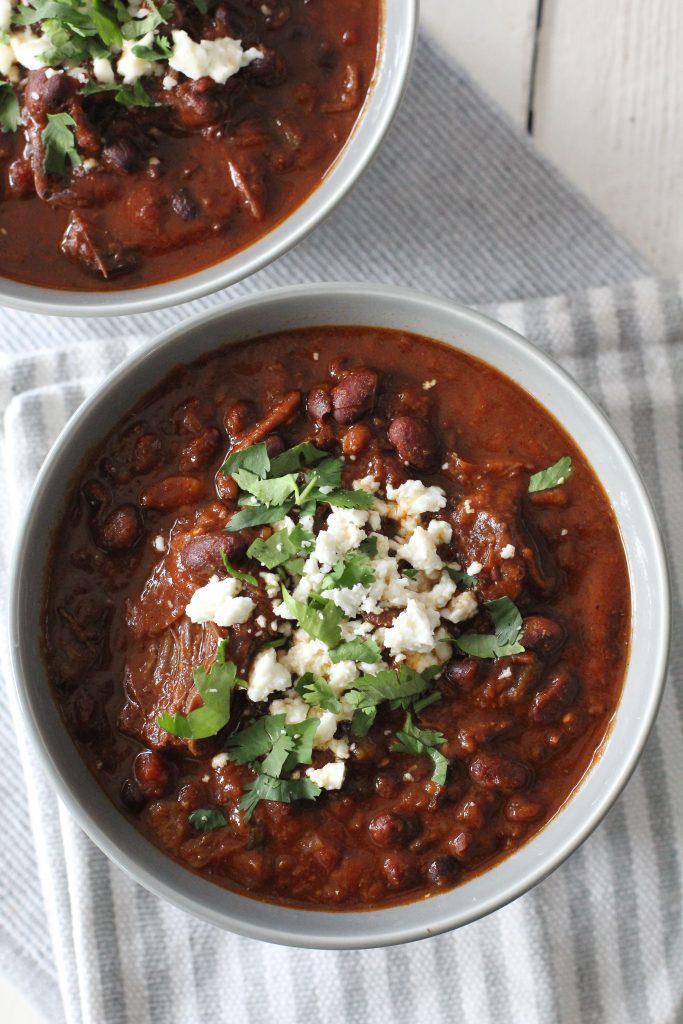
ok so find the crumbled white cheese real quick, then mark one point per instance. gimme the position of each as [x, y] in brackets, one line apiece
[6, 59]
[427, 385]
[420, 551]
[508, 551]
[462, 607]
[218, 59]
[262, 621]
[344, 532]
[169, 82]
[305, 654]
[342, 675]
[474, 569]
[340, 748]
[218, 602]
[413, 629]
[267, 676]
[467, 506]
[6, 9]
[219, 760]
[27, 49]
[349, 599]
[330, 776]
[131, 67]
[102, 70]
[292, 707]
[159, 543]
[413, 499]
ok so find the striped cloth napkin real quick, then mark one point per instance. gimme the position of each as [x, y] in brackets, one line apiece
[599, 941]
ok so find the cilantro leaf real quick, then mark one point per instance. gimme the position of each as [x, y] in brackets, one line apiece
[126, 95]
[362, 721]
[60, 144]
[413, 740]
[244, 576]
[136, 28]
[410, 573]
[400, 685]
[201, 5]
[106, 23]
[264, 787]
[205, 819]
[215, 688]
[253, 459]
[282, 547]
[353, 568]
[282, 746]
[257, 515]
[301, 454]
[9, 108]
[317, 691]
[361, 649]
[256, 740]
[507, 623]
[164, 51]
[555, 475]
[462, 578]
[277, 641]
[270, 491]
[350, 499]
[369, 546]
[302, 735]
[320, 618]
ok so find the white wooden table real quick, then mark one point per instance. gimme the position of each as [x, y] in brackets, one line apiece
[599, 84]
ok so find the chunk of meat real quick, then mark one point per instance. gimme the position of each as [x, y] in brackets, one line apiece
[559, 693]
[159, 678]
[95, 249]
[490, 528]
[283, 410]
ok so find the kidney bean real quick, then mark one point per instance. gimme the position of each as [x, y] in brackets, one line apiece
[202, 553]
[184, 205]
[238, 416]
[200, 451]
[542, 634]
[549, 704]
[191, 796]
[132, 796]
[151, 774]
[392, 829]
[461, 844]
[120, 530]
[387, 468]
[472, 813]
[459, 676]
[387, 784]
[121, 156]
[494, 771]
[172, 492]
[414, 441]
[146, 453]
[319, 403]
[226, 488]
[520, 808]
[354, 395]
[399, 872]
[443, 871]
[356, 439]
[274, 445]
[96, 494]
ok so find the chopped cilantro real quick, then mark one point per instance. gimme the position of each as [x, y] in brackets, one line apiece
[278, 641]
[360, 649]
[350, 499]
[253, 459]
[399, 686]
[507, 623]
[268, 492]
[317, 691]
[319, 618]
[413, 740]
[164, 51]
[282, 547]
[9, 108]
[301, 454]
[410, 573]
[555, 475]
[215, 688]
[362, 721]
[206, 820]
[244, 576]
[127, 95]
[60, 144]
[257, 515]
[462, 578]
[264, 787]
[353, 568]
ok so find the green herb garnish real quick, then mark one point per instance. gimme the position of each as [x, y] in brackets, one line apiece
[319, 618]
[60, 144]
[215, 688]
[9, 108]
[244, 576]
[462, 578]
[206, 820]
[264, 787]
[282, 548]
[413, 740]
[361, 649]
[554, 476]
[317, 691]
[507, 623]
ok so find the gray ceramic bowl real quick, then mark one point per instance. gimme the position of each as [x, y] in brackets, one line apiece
[473, 333]
[399, 33]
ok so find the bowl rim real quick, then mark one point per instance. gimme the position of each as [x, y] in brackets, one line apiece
[391, 77]
[125, 852]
